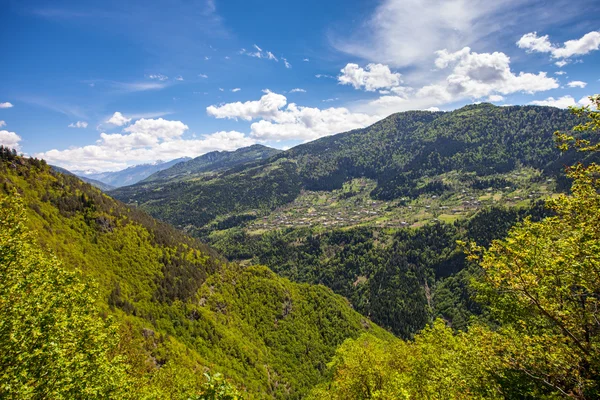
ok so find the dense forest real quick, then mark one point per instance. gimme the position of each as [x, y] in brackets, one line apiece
[166, 308]
[402, 279]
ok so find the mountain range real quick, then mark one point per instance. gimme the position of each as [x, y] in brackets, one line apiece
[406, 155]
[130, 175]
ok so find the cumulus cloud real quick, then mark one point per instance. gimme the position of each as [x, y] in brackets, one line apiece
[267, 107]
[371, 78]
[306, 60]
[480, 74]
[204, 76]
[118, 119]
[279, 120]
[9, 139]
[297, 90]
[78, 124]
[562, 102]
[2, 123]
[578, 84]
[6, 105]
[541, 44]
[560, 72]
[470, 75]
[146, 140]
[179, 78]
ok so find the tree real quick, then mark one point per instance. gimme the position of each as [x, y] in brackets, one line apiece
[542, 283]
[53, 344]
[217, 388]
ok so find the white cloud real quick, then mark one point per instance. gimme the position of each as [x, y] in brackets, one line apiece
[578, 84]
[9, 139]
[562, 102]
[373, 77]
[221, 89]
[267, 107]
[330, 100]
[561, 63]
[2, 123]
[306, 60]
[6, 105]
[146, 140]
[159, 77]
[495, 98]
[237, 89]
[286, 63]
[408, 32]
[179, 78]
[259, 53]
[131, 87]
[297, 90]
[78, 124]
[204, 76]
[472, 75]
[118, 119]
[279, 120]
[433, 109]
[541, 44]
[532, 42]
[560, 72]
[319, 76]
[479, 74]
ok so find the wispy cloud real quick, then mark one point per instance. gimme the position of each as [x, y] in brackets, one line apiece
[78, 124]
[56, 105]
[131, 87]
[159, 77]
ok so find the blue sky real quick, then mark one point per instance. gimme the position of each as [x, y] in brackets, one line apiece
[106, 84]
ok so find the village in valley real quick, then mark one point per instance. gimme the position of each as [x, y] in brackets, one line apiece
[353, 206]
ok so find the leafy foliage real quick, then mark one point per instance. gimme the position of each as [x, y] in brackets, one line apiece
[53, 344]
[181, 309]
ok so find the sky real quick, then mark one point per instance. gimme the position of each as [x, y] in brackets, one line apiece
[102, 85]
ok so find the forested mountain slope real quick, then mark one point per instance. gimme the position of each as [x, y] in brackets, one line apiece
[214, 161]
[406, 155]
[181, 308]
[100, 185]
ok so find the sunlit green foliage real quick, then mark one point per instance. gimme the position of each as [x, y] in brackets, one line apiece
[542, 285]
[437, 365]
[181, 309]
[53, 343]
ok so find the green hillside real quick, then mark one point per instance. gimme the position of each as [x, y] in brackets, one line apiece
[180, 308]
[407, 155]
[212, 162]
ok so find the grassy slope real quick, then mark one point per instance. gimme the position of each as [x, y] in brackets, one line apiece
[178, 301]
